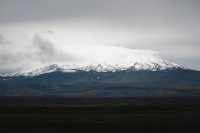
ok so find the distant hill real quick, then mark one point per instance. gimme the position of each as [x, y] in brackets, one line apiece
[172, 82]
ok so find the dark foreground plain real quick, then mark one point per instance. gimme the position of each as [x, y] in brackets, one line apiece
[99, 115]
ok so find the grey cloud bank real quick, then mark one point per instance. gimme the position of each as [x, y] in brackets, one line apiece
[170, 27]
[45, 48]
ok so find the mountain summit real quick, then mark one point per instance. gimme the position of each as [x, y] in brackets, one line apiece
[138, 60]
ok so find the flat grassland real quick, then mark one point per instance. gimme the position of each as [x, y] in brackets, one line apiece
[99, 115]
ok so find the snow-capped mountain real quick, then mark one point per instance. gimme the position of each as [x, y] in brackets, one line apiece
[143, 73]
[140, 60]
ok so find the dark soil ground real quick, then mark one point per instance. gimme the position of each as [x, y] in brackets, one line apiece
[99, 115]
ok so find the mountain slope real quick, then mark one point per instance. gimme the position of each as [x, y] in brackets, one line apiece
[176, 82]
[129, 76]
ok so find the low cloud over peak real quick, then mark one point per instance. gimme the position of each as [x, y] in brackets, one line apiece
[41, 51]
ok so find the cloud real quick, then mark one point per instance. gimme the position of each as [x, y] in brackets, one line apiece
[171, 27]
[12, 60]
[122, 10]
[38, 51]
[44, 48]
[42, 51]
[3, 41]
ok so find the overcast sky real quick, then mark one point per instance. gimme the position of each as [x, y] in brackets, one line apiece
[35, 32]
